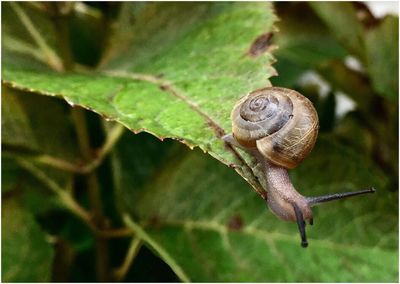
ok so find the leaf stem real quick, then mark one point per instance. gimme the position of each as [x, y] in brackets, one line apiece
[69, 202]
[134, 247]
[63, 195]
[57, 163]
[140, 233]
[52, 58]
[17, 45]
[115, 233]
[78, 116]
[112, 138]
[60, 13]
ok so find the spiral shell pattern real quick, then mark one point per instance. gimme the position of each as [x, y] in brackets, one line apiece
[281, 123]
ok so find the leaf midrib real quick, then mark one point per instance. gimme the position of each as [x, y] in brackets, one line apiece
[241, 166]
[265, 235]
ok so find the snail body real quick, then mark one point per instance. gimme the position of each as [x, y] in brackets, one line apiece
[279, 127]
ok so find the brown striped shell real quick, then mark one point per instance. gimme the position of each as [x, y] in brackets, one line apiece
[281, 123]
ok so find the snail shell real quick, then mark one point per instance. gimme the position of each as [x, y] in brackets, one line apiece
[279, 127]
[281, 123]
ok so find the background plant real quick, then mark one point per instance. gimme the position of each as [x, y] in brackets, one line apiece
[83, 199]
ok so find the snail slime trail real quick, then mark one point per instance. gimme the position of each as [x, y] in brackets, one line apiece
[279, 127]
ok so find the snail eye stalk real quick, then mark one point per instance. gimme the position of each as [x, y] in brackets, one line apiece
[325, 198]
[301, 224]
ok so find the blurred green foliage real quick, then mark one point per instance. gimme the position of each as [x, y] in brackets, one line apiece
[83, 200]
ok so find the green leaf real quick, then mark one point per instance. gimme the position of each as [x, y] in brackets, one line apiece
[206, 224]
[200, 55]
[382, 45]
[26, 253]
[376, 45]
[33, 195]
[29, 37]
[341, 18]
[304, 40]
[36, 197]
[25, 124]
[30, 132]
[353, 83]
[304, 43]
[10, 173]
[15, 125]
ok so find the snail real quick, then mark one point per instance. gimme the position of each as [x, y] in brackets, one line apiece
[279, 127]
